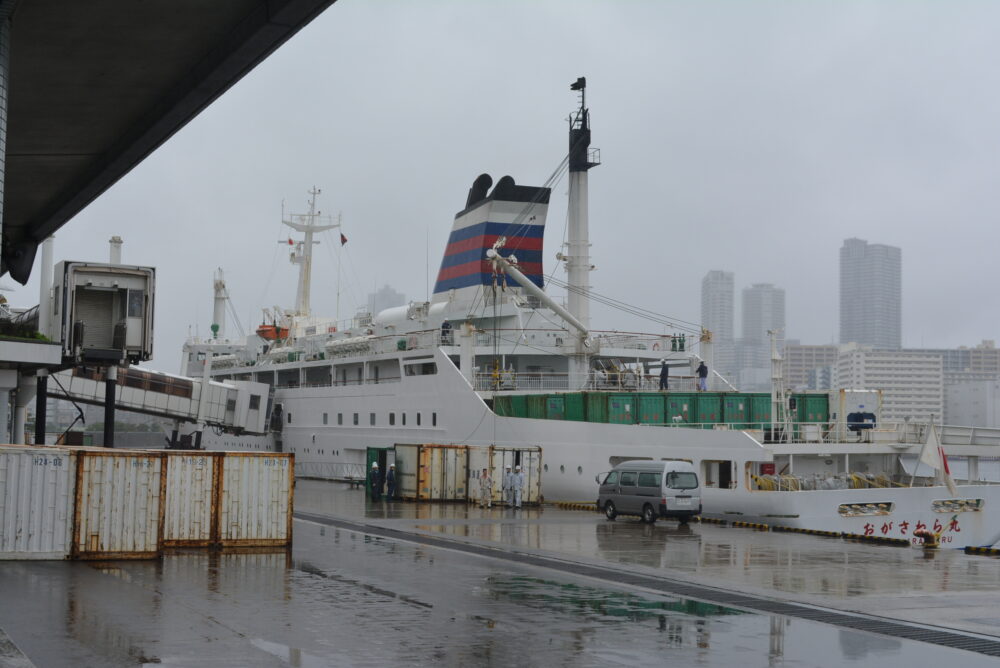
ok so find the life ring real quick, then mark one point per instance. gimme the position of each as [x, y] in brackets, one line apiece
[656, 346]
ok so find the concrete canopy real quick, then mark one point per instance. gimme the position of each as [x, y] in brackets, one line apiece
[96, 86]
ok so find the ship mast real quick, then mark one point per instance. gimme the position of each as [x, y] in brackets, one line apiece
[581, 159]
[577, 258]
[308, 224]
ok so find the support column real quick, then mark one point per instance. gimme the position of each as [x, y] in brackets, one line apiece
[466, 342]
[109, 406]
[41, 406]
[25, 394]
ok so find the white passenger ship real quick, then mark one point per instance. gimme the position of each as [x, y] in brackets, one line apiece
[491, 359]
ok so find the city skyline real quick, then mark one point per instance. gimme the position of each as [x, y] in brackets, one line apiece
[871, 294]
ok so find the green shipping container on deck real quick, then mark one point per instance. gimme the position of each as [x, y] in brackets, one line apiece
[555, 407]
[812, 408]
[679, 404]
[536, 406]
[760, 410]
[735, 410]
[501, 406]
[519, 406]
[575, 407]
[622, 409]
[708, 407]
[651, 408]
[597, 406]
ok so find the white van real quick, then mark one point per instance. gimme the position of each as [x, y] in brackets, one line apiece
[650, 489]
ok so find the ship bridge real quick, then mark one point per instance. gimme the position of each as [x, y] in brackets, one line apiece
[235, 406]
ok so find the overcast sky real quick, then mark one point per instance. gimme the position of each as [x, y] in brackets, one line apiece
[752, 137]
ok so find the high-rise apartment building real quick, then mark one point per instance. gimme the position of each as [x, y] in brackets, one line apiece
[871, 295]
[717, 316]
[763, 311]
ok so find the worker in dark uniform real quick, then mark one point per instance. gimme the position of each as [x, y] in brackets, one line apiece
[375, 478]
[390, 482]
[664, 374]
[702, 377]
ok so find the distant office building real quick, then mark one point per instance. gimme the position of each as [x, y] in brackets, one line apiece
[717, 316]
[763, 311]
[801, 360]
[912, 383]
[819, 378]
[871, 295]
[384, 298]
[973, 403]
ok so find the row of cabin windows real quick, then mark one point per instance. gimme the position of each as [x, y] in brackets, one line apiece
[371, 419]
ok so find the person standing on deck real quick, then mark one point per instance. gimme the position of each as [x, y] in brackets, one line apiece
[517, 485]
[485, 490]
[375, 478]
[664, 374]
[702, 377]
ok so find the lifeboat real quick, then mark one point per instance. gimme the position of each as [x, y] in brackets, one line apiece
[272, 332]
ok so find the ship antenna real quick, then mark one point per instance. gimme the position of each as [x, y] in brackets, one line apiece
[308, 224]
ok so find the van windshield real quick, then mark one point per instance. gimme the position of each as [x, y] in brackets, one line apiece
[682, 480]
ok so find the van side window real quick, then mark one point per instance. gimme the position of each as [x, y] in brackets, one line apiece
[649, 480]
[682, 480]
[612, 479]
[628, 479]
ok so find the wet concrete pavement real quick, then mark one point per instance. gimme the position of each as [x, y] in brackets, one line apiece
[940, 588]
[343, 597]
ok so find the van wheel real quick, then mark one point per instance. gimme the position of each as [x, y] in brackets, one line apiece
[610, 511]
[648, 514]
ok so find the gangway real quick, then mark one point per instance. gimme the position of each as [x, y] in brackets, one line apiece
[237, 406]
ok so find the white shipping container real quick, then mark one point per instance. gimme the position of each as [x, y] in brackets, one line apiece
[256, 499]
[407, 468]
[37, 492]
[119, 509]
[190, 500]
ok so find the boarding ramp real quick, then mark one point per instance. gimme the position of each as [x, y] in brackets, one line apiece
[236, 406]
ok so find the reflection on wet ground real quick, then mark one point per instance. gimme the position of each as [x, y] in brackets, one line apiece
[343, 597]
[935, 587]
[346, 598]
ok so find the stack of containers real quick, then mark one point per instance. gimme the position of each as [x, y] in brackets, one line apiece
[98, 503]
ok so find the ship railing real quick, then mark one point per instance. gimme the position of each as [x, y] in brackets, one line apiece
[336, 382]
[596, 380]
[330, 470]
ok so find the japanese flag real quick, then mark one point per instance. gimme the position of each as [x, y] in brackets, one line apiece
[933, 455]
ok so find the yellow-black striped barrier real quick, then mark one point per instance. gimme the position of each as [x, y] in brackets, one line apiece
[577, 506]
[709, 520]
[991, 551]
[750, 525]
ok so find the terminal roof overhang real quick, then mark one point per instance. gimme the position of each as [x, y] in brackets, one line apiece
[96, 85]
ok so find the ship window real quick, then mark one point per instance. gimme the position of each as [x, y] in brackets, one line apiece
[324, 418]
[392, 419]
[289, 418]
[371, 419]
[355, 419]
[434, 419]
[418, 419]
[403, 416]
[421, 369]
[340, 418]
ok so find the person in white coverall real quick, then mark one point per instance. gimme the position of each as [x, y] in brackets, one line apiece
[517, 485]
[508, 498]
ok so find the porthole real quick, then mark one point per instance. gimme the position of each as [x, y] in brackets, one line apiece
[562, 469]
[579, 470]
[546, 467]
